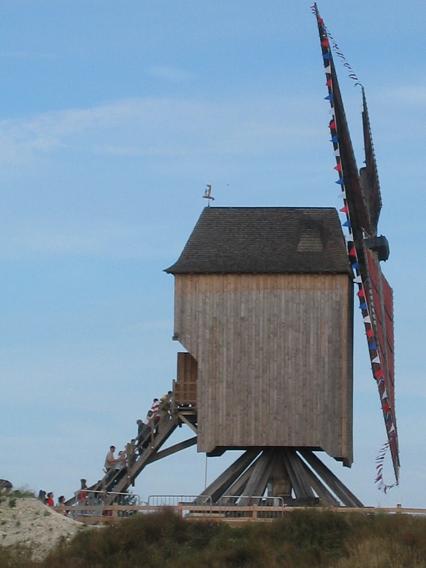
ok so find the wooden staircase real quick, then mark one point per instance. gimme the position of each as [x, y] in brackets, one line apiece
[146, 451]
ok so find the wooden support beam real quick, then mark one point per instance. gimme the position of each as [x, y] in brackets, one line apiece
[300, 472]
[280, 481]
[294, 480]
[320, 489]
[187, 422]
[172, 450]
[227, 478]
[238, 486]
[331, 480]
[259, 478]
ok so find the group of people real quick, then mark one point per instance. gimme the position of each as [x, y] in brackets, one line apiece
[147, 429]
[48, 499]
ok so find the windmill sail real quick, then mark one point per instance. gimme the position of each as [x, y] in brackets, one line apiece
[361, 205]
[368, 174]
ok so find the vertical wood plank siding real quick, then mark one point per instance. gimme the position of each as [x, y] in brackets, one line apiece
[274, 354]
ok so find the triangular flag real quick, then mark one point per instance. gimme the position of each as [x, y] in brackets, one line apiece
[344, 209]
[334, 139]
[328, 69]
[338, 167]
[392, 428]
[361, 293]
[337, 152]
[347, 223]
[379, 374]
[372, 346]
[357, 280]
[363, 306]
[367, 319]
[349, 238]
[384, 395]
[370, 333]
[339, 181]
[324, 43]
[352, 251]
[376, 360]
[326, 55]
[332, 125]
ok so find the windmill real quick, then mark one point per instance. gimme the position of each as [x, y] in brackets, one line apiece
[264, 311]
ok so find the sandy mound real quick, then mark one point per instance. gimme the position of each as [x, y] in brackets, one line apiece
[33, 524]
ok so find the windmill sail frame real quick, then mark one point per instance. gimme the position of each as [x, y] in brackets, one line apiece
[362, 204]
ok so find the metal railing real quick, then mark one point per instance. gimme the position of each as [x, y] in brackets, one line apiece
[175, 500]
[94, 503]
[241, 507]
[251, 500]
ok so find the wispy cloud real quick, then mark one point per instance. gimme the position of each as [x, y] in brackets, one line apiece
[21, 54]
[162, 127]
[99, 238]
[169, 73]
[408, 95]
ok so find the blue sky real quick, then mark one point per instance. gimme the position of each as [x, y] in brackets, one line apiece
[113, 117]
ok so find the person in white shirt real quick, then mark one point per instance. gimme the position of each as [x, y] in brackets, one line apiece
[110, 461]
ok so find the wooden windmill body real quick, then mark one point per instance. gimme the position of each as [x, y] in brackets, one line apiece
[263, 306]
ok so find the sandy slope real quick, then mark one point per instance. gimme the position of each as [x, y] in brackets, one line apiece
[33, 524]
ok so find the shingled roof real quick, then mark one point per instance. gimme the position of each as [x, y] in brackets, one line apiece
[264, 240]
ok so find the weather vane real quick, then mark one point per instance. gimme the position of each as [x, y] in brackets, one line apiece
[208, 194]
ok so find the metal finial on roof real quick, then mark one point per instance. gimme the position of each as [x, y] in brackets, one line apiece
[208, 194]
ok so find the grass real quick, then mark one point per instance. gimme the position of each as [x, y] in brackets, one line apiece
[21, 493]
[305, 539]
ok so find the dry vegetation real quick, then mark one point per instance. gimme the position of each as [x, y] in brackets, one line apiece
[301, 539]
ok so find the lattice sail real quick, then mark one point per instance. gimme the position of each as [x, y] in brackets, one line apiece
[361, 207]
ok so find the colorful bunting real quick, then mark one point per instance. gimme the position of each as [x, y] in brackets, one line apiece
[381, 485]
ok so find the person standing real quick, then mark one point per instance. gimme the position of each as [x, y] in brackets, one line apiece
[110, 460]
[61, 505]
[83, 493]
